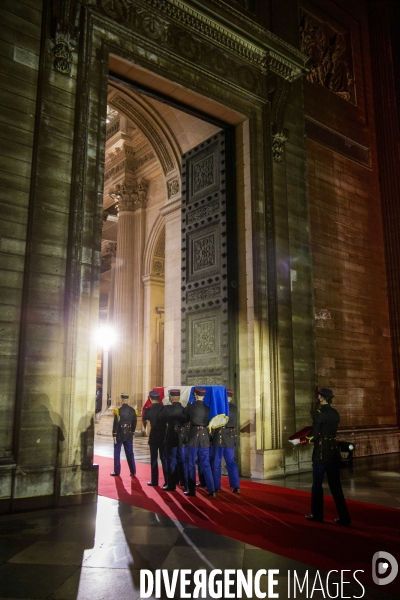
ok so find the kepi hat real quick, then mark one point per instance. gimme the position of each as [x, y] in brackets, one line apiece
[200, 391]
[326, 393]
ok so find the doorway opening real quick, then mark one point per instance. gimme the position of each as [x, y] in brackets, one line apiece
[154, 307]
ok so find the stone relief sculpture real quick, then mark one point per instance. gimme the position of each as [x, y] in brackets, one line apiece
[330, 54]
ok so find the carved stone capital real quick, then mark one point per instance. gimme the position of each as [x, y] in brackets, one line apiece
[130, 196]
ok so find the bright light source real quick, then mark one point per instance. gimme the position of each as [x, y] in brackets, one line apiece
[105, 336]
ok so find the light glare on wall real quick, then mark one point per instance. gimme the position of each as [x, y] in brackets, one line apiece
[105, 336]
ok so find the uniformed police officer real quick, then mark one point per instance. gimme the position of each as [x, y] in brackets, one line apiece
[156, 437]
[198, 443]
[175, 449]
[124, 426]
[326, 459]
[223, 446]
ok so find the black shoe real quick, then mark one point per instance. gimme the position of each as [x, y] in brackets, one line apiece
[343, 522]
[212, 495]
[185, 489]
[216, 491]
[188, 493]
[152, 484]
[200, 485]
[164, 487]
[169, 489]
[113, 474]
[312, 518]
[236, 491]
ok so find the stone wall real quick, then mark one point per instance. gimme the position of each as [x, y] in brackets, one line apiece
[353, 340]
[19, 64]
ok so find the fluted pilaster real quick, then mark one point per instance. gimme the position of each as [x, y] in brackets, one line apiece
[128, 294]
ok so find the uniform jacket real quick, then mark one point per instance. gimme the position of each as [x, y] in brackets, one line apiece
[176, 424]
[157, 423]
[226, 436]
[198, 416]
[323, 435]
[124, 423]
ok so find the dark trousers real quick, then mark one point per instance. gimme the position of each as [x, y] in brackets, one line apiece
[156, 450]
[176, 466]
[203, 456]
[202, 481]
[317, 492]
[219, 452]
[128, 447]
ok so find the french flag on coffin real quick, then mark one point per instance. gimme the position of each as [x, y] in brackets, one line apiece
[216, 398]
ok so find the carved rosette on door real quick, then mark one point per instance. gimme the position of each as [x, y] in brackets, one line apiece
[206, 201]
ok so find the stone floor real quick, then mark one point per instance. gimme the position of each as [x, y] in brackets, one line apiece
[97, 551]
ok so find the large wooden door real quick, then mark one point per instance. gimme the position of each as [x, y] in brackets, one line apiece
[209, 263]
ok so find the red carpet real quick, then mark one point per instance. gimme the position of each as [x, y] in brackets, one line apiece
[271, 518]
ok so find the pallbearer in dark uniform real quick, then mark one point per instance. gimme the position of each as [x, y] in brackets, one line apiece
[156, 437]
[124, 426]
[326, 459]
[223, 446]
[175, 449]
[198, 443]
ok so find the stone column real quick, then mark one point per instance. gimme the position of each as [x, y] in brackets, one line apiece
[128, 296]
[172, 346]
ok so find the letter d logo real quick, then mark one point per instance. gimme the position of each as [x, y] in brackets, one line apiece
[380, 568]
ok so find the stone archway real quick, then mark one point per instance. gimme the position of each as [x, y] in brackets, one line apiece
[225, 74]
[141, 204]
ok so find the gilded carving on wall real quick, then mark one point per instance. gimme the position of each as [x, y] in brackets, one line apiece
[203, 174]
[330, 52]
[204, 337]
[204, 253]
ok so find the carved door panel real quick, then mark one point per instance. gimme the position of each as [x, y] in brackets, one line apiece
[209, 262]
